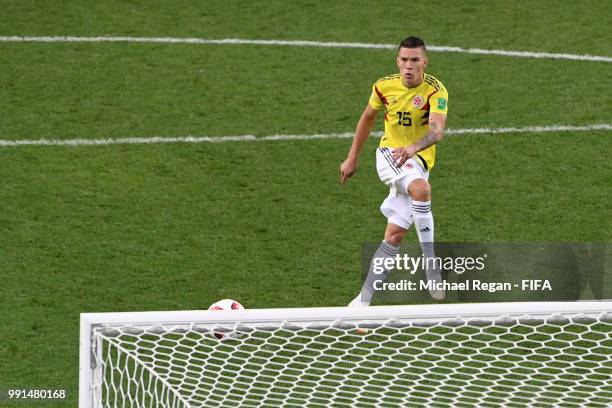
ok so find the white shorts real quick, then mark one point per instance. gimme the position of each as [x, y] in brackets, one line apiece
[397, 207]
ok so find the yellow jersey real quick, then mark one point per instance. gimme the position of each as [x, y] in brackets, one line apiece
[407, 111]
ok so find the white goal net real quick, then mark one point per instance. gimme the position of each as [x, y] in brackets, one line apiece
[455, 355]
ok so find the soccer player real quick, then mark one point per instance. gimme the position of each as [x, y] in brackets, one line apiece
[415, 108]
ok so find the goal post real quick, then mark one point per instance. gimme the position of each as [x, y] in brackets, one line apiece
[487, 354]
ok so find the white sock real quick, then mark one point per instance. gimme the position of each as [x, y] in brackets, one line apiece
[384, 251]
[424, 223]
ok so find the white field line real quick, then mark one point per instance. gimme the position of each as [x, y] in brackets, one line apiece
[252, 138]
[296, 43]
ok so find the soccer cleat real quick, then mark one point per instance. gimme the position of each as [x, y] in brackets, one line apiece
[357, 302]
[434, 277]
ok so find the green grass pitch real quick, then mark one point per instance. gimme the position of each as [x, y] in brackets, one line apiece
[178, 226]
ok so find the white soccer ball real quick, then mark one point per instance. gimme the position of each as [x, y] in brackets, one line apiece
[226, 304]
[224, 333]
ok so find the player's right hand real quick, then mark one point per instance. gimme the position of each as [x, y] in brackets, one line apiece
[347, 169]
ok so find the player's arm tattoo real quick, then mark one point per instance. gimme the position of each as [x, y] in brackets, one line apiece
[433, 136]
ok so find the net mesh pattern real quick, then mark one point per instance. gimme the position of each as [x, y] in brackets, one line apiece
[519, 361]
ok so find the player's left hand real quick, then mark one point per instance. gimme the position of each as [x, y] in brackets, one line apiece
[402, 154]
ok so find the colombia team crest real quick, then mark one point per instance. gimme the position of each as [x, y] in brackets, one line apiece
[417, 101]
